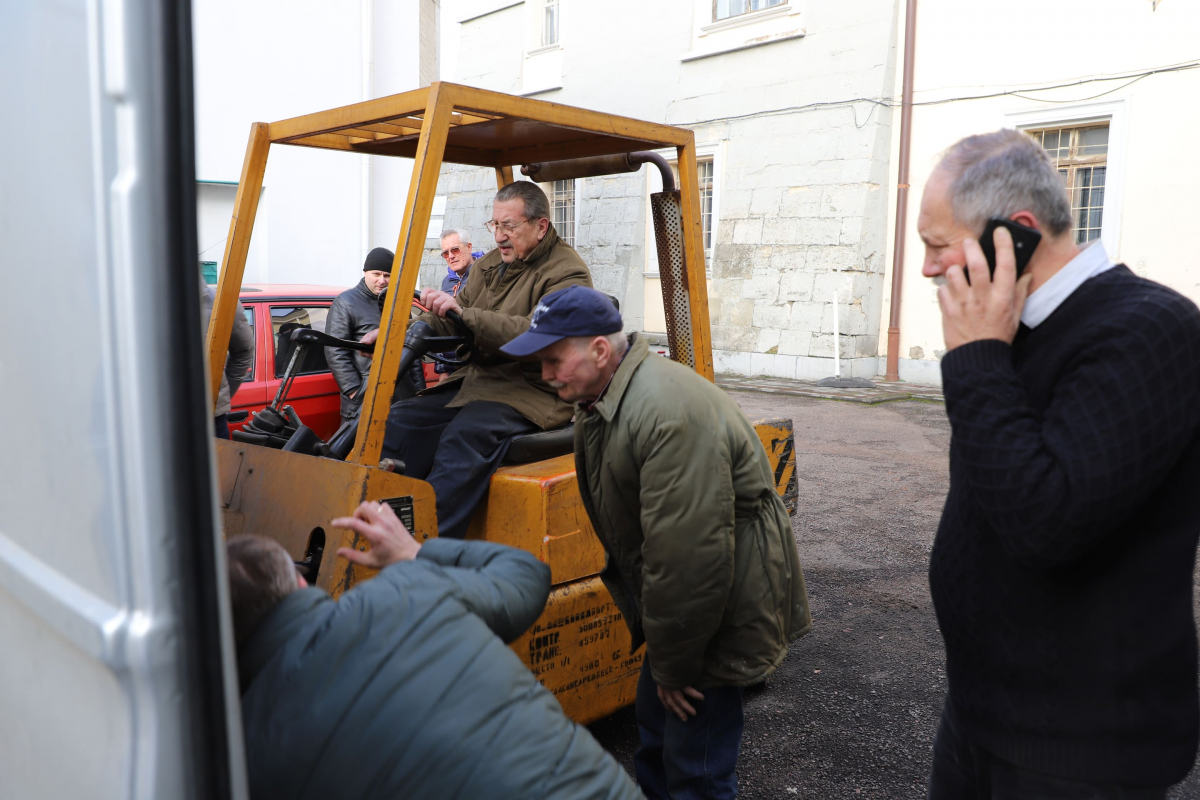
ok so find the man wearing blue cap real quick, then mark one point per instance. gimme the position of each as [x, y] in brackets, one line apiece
[702, 562]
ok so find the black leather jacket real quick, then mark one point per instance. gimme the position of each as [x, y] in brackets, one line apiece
[352, 314]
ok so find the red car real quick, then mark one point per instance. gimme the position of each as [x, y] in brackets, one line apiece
[314, 393]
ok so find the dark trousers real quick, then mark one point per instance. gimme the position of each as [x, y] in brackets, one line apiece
[221, 426]
[688, 760]
[962, 771]
[457, 450]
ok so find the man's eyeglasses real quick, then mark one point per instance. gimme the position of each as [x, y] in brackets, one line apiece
[507, 227]
[457, 249]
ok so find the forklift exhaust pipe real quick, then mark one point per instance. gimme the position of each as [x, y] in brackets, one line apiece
[666, 210]
[600, 165]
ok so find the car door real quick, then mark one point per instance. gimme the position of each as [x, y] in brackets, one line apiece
[314, 393]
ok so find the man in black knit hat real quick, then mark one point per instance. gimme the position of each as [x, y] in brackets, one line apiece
[352, 314]
[1063, 565]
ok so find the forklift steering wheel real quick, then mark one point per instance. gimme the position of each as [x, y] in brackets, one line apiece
[453, 316]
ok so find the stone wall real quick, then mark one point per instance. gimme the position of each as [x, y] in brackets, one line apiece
[610, 236]
[802, 170]
[801, 217]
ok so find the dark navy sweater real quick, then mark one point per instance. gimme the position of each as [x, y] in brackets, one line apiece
[1062, 568]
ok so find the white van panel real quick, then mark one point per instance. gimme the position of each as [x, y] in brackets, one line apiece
[96, 695]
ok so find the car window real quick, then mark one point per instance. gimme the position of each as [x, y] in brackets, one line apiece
[284, 320]
[249, 312]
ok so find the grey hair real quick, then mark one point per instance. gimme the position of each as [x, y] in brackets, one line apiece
[261, 573]
[618, 341]
[463, 236]
[536, 205]
[998, 174]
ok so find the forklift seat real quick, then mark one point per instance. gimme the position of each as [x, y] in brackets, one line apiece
[542, 445]
[530, 447]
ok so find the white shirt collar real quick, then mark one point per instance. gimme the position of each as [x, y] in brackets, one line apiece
[1090, 262]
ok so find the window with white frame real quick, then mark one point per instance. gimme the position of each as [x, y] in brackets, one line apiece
[562, 209]
[724, 9]
[704, 181]
[549, 22]
[1081, 155]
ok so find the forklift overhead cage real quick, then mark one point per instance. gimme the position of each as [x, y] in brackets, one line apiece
[580, 647]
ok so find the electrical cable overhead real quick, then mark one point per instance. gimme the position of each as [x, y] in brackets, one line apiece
[1021, 92]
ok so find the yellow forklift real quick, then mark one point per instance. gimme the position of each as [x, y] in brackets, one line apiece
[580, 647]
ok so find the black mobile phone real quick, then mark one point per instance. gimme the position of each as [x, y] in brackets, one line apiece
[1025, 241]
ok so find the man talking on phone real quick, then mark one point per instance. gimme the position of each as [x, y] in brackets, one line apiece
[1062, 568]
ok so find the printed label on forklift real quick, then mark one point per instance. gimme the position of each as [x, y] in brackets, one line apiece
[580, 650]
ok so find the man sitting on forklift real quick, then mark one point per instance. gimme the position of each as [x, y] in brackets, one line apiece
[455, 434]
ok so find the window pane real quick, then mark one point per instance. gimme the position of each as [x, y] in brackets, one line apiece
[1076, 151]
[284, 320]
[249, 312]
[1087, 203]
[724, 9]
[1093, 141]
[704, 174]
[562, 209]
[550, 23]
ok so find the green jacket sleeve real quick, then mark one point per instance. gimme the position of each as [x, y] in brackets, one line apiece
[687, 518]
[507, 588]
[493, 330]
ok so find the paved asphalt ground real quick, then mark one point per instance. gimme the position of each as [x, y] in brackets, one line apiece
[852, 711]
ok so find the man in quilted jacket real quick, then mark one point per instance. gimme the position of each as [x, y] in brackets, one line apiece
[404, 687]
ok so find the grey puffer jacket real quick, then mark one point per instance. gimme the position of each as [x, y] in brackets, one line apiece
[241, 350]
[404, 688]
[352, 314]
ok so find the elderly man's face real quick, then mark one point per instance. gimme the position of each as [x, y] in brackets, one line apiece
[943, 237]
[575, 366]
[456, 253]
[516, 235]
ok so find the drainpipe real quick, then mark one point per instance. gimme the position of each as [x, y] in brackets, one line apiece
[367, 13]
[893, 343]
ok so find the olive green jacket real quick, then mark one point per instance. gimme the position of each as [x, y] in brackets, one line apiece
[497, 304]
[702, 562]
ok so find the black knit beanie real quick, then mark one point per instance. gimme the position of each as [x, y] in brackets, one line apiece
[380, 258]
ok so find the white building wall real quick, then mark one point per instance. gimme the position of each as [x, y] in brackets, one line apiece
[270, 60]
[801, 191]
[1150, 206]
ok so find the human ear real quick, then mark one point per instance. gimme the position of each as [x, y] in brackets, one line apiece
[1027, 219]
[603, 351]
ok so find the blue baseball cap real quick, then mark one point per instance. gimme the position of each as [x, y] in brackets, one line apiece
[574, 311]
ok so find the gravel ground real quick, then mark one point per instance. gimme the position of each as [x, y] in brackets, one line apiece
[852, 711]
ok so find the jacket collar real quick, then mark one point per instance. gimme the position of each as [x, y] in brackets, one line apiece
[362, 287]
[279, 625]
[535, 255]
[610, 400]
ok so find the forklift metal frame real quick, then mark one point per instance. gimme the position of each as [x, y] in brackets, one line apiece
[291, 497]
[449, 123]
